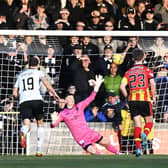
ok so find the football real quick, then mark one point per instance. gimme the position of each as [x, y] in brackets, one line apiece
[118, 58]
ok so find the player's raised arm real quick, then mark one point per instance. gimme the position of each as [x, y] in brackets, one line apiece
[50, 89]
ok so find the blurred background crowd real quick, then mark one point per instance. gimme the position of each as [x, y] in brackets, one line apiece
[84, 14]
[70, 62]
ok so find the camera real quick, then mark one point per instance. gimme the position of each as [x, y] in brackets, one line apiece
[164, 26]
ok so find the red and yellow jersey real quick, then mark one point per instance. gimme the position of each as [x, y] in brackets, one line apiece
[137, 78]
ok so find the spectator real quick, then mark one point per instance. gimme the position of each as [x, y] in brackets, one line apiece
[127, 133]
[43, 89]
[92, 114]
[115, 10]
[80, 25]
[59, 25]
[161, 13]
[150, 3]
[37, 45]
[11, 43]
[94, 22]
[97, 4]
[11, 64]
[105, 14]
[42, 45]
[68, 48]
[112, 81]
[9, 123]
[149, 22]
[24, 11]
[28, 40]
[159, 48]
[53, 8]
[20, 44]
[77, 10]
[94, 5]
[29, 44]
[128, 61]
[2, 43]
[4, 21]
[81, 74]
[112, 110]
[140, 10]
[67, 60]
[89, 48]
[108, 26]
[7, 14]
[162, 68]
[129, 4]
[71, 90]
[39, 20]
[161, 114]
[64, 17]
[165, 60]
[108, 40]
[102, 65]
[49, 63]
[130, 22]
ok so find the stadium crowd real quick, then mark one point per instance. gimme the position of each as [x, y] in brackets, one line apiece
[70, 62]
[91, 14]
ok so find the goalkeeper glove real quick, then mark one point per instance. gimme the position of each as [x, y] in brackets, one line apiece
[99, 80]
[54, 117]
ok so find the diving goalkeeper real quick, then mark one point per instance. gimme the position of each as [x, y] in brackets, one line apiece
[73, 116]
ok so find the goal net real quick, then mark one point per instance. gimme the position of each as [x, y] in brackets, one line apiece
[57, 51]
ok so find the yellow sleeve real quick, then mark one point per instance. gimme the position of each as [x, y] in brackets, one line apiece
[124, 81]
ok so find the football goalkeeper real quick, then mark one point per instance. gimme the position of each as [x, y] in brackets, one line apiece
[73, 116]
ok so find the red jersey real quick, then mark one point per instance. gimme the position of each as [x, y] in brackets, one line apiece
[137, 79]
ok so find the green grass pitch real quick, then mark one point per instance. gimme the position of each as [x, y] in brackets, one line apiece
[87, 161]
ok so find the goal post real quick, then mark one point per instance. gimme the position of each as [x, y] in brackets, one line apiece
[15, 48]
[9, 128]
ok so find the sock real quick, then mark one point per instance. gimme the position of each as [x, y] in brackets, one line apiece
[147, 128]
[40, 137]
[24, 129]
[137, 134]
[112, 149]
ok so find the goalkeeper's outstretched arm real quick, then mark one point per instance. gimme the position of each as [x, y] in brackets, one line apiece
[56, 119]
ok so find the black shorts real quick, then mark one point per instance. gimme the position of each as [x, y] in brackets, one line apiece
[85, 148]
[142, 108]
[32, 109]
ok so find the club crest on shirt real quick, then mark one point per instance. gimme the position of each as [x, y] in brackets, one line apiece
[81, 142]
